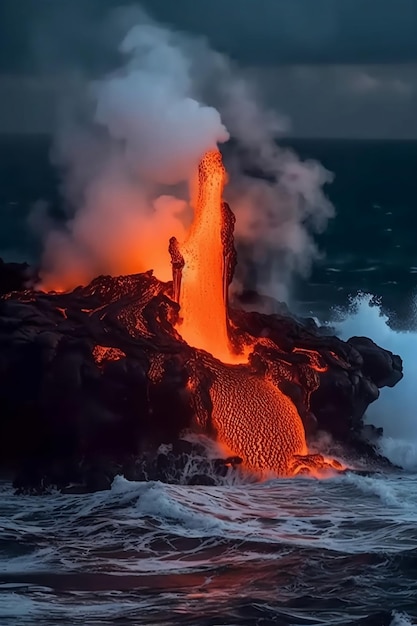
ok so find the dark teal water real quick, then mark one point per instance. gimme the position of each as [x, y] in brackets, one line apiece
[371, 243]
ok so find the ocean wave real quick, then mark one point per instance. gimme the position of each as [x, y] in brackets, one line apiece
[111, 530]
[395, 410]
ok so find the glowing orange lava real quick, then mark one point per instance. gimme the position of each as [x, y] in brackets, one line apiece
[252, 417]
[101, 354]
[203, 291]
[258, 422]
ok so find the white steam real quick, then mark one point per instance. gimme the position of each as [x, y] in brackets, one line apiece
[128, 155]
[151, 106]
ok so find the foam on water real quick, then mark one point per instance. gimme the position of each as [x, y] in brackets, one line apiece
[139, 519]
[396, 409]
[401, 619]
[213, 543]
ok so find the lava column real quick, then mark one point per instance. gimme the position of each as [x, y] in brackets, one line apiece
[204, 280]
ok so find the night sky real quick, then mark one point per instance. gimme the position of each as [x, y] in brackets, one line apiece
[336, 68]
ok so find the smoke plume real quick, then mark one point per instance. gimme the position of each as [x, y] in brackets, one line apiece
[130, 146]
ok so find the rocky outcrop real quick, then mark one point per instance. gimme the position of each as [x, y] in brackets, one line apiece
[94, 381]
[342, 385]
[15, 277]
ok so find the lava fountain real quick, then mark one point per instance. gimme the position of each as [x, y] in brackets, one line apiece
[251, 416]
[202, 261]
[114, 369]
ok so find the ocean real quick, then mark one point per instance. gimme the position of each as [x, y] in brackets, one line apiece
[295, 551]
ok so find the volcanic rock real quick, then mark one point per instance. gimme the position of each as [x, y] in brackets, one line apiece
[92, 382]
[381, 366]
[15, 277]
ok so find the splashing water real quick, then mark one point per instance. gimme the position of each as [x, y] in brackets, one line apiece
[395, 410]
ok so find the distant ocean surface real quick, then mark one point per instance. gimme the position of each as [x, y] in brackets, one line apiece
[340, 551]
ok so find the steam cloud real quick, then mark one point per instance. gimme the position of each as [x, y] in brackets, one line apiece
[132, 148]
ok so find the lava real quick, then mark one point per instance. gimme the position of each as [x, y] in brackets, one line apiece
[204, 273]
[106, 353]
[114, 370]
[256, 421]
[250, 414]
[237, 397]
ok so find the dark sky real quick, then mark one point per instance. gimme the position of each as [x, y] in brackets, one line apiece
[264, 32]
[335, 68]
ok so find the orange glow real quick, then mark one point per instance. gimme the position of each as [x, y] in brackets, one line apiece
[203, 291]
[317, 466]
[252, 417]
[104, 240]
[124, 261]
[101, 354]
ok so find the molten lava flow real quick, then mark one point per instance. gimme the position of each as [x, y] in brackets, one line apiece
[101, 354]
[201, 260]
[256, 421]
[252, 417]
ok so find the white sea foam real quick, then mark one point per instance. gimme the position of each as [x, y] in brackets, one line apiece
[197, 534]
[396, 408]
[126, 528]
[401, 619]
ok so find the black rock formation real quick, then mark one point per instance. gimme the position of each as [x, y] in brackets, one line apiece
[92, 382]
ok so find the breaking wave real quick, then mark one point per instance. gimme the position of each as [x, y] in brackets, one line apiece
[395, 410]
[229, 554]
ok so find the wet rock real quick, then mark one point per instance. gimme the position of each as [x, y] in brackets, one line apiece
[96, 480]
[381, 366]
[201, 479]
